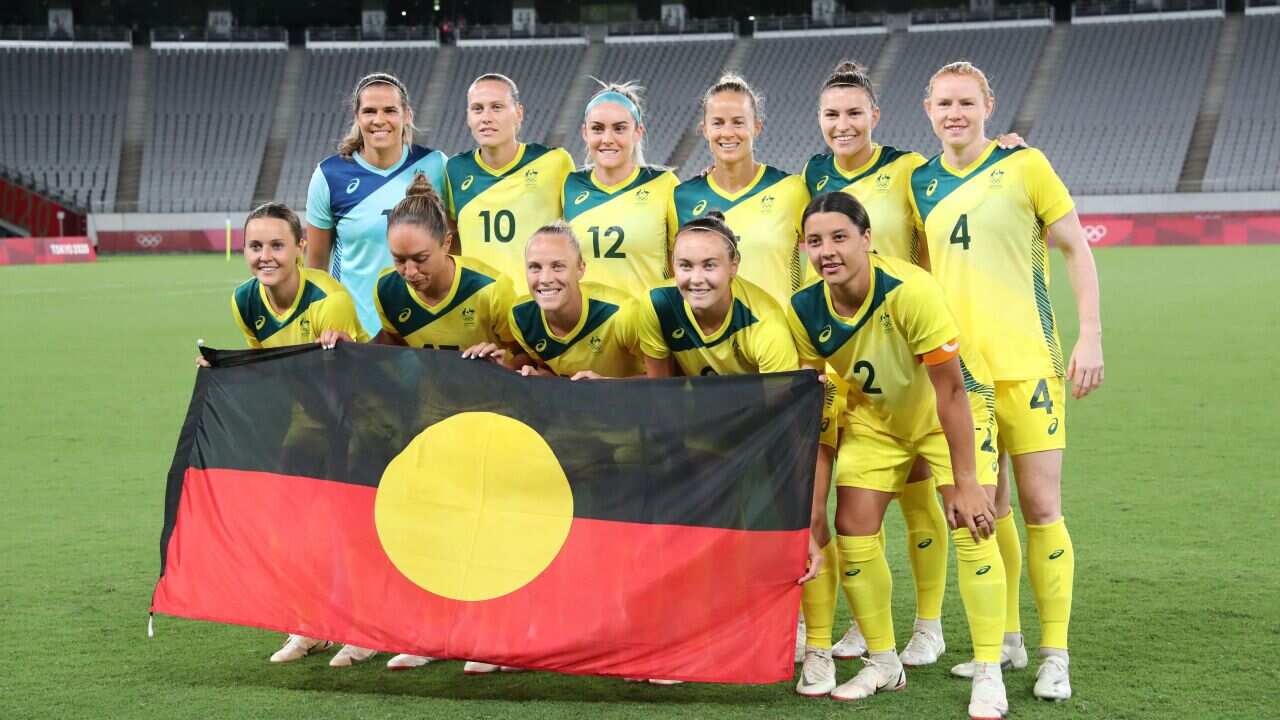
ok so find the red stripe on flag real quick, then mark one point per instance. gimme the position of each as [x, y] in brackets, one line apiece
[302, 555]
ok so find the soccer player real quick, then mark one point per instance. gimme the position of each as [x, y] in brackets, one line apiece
[352, 191]
[569, 327]
[761, 203]
[986, 213]
[618, 205]
[917, 390]
[285, 304]
[504, 189]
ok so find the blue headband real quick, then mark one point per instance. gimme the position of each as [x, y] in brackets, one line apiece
[613, 96]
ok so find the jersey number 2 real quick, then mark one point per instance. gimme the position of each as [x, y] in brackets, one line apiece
[960, 233]
[868, 387]
[500, 225]
[613, 251]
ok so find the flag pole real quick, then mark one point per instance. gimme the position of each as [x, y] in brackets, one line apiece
[228, 239]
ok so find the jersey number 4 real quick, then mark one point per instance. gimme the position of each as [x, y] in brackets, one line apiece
[615, 232]
[500, 225]
[960, 233]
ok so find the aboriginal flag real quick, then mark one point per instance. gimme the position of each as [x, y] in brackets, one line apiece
[412, 501]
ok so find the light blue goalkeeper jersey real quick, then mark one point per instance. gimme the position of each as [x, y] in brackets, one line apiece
[353, 198]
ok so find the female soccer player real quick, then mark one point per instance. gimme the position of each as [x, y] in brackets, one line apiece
[352, 190]
[617, 205]
[883, 325]
[284, 304]
[504, 189]
[986, 213]
[568, 327]
[760, 202]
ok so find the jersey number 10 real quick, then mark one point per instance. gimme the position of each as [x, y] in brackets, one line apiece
[500, 225]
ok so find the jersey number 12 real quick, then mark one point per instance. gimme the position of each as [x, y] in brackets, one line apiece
[615, 232]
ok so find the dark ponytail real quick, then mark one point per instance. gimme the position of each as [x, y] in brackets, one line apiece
[713, 222]
[850, 74]
[423, 207]
[839, 202]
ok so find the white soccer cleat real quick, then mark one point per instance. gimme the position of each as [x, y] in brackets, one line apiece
[350, 655]
[852, 645]
[1013, 656]
[473, 667]
[656, 681]
[299, 646]
[801, 631]
[818, 674]
[1053, 679]
[987, 700]
[881, 672]
[925, 646]
[406, 661]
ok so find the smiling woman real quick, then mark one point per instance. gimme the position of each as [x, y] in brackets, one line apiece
[352, 190]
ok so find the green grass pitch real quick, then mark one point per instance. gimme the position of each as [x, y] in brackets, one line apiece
[1170, 485]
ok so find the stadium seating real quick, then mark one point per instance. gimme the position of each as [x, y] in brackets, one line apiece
[1120, 116]
[62, 120]
[671, 98]
[324, 115]
[211, 114]
[541, 72]
[1246, 147]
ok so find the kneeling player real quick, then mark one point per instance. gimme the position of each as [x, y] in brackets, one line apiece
[883, 325]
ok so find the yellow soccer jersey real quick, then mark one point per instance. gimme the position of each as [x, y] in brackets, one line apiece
[498, 209]
[883, 186]
[624, 229]
[985, 229]
[474, 311]
[321, 304]
[835, 402]
[753, 338]
[766, 217]
[604, 340]
[879, 350]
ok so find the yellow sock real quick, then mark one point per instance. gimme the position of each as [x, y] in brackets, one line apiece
[866, 580]
[926, 546]
[1051, 563]
[818, 600]
[978, 565]
[1011, 553]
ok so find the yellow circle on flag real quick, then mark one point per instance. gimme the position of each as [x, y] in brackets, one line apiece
[475, 507]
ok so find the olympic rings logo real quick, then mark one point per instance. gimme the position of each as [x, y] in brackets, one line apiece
[148, 241]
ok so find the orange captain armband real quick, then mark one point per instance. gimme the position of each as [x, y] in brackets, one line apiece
[942, 354]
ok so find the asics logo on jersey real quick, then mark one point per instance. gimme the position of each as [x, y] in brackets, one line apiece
[924, 543]
[582, 197]
[351, 186]
[1056, 554]
[466, 182]
[853, 572]
[542, 345]
[822, 183]
[404, 315]
[1053, 426]
[697, 209]
[983, 570]
[679, 333]
[259, 323]
[825, 335]
[933, 185]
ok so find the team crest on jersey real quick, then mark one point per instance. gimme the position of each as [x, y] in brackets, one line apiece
[697, 209]
[997, 178]
[882, 181]
[260, 322]
[351, 186]
[933, 185]
[469, 316]
[582, 197]
[542, 345]
[822, 183]
[404, 315]
[642, 195]
[886, 322]
[766, 204]
[305, 326]
[596, 343]
[530, 177]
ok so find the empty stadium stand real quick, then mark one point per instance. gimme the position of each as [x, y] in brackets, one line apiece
[1246, 146]
[62, 120]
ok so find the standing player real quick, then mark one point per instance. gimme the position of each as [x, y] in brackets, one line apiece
[883, 325]
[284, 304]
[986, 213]
[761, 203]
[352, 191]
[504, 189]
[568, 327]
[617, 204]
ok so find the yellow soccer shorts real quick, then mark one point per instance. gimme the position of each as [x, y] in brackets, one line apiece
[1031, 415]
[872, 459]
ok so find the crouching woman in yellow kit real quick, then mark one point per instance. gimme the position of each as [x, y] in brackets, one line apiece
[883, 325]
[286, 304]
